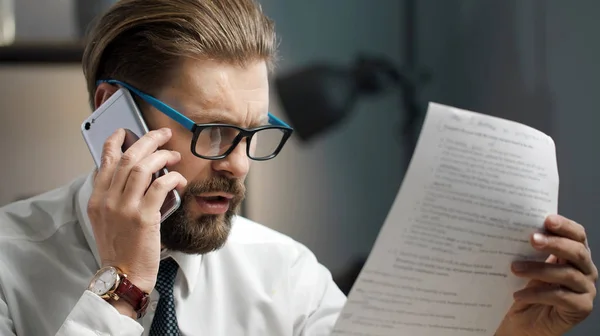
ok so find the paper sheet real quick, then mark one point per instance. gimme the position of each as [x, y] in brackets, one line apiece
[476, 188]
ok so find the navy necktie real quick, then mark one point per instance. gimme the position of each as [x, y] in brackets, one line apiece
[165, 320]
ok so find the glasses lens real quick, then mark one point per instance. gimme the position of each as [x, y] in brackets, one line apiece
[215, 141]
[265, 142]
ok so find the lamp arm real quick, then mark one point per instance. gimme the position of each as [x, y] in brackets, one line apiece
[369, 71]
[374, 74]
[405, 77]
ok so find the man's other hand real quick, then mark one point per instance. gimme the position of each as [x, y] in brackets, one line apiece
[561, 290]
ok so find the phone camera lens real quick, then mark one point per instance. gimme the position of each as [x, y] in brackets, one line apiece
[87, 126]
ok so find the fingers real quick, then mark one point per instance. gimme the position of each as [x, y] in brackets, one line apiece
[111, 154]
[579, 305]
[572, 251]
[558, 274]
[142, 148]
[142, 172]
[565, 227]
[156, 194]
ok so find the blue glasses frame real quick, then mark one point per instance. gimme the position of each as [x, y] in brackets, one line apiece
[197, 128]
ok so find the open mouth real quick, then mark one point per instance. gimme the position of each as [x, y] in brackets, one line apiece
[214, 204]
[214, 198]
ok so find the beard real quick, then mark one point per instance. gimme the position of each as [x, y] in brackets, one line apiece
[206, 233]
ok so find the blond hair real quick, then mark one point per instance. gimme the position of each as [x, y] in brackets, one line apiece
[143, 41]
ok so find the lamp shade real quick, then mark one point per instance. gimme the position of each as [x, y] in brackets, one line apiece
[316, 98]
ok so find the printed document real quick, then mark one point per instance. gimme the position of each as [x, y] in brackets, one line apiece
[477, 187]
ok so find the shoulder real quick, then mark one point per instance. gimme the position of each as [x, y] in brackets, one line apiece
[40, 232]
[269, 257]
[245, 231]
[258, 242]
[40, 217]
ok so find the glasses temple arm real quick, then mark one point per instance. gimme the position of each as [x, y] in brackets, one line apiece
[276, 121]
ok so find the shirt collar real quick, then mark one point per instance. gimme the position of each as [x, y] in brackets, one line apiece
[188, 263]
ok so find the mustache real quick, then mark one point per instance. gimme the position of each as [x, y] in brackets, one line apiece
[217, 184]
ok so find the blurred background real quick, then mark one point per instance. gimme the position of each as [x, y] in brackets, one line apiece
[532, 61]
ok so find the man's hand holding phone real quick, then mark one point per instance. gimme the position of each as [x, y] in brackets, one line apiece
[124, 208]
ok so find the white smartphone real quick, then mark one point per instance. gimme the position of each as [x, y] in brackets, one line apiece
[121, 111]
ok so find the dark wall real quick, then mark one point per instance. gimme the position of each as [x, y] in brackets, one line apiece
[536, 62]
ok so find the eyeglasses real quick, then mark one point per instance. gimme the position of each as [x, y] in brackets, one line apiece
[216, 141]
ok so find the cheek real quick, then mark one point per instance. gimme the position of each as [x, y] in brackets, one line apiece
[179, 142]
[191, 167]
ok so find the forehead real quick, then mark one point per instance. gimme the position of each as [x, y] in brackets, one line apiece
[208, 91]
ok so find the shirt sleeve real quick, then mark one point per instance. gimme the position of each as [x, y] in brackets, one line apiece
[318, 301]
[92, 316]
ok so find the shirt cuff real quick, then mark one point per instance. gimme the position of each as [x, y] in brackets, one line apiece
[94, 316]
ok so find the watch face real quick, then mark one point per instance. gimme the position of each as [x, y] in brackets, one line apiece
[104, 280]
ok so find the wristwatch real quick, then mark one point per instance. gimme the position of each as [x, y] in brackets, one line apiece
[111, 283]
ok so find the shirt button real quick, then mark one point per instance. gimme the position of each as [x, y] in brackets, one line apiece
[153, 305]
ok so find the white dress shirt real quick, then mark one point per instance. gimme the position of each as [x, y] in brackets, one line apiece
[260, 283]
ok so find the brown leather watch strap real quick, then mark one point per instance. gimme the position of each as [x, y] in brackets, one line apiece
[129, 293]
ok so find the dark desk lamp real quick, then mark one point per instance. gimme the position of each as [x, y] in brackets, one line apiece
[319, 97]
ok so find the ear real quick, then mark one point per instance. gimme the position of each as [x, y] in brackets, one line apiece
[103, 92]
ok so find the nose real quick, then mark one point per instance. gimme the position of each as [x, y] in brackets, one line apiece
[234, 165]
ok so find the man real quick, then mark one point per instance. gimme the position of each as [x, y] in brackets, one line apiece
[92, 258]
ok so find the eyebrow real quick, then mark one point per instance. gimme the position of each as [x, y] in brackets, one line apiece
[223, 117]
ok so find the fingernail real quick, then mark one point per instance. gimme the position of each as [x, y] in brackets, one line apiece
[517, 296]
[539, 239]
[553, 221]
[166, 130]
[519, 266]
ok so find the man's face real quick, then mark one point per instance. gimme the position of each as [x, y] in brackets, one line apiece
[209, 92]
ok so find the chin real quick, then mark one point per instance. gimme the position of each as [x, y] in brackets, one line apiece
[200, 234]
